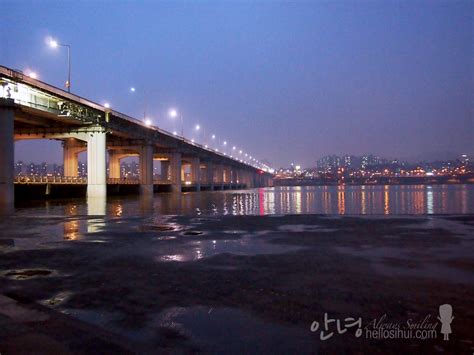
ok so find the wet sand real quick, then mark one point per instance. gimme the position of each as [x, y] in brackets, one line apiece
[233, 283]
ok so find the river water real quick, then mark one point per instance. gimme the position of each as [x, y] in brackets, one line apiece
[335, 200]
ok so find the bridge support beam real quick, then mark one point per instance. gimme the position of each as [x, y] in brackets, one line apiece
[220, 176]
[7, 151]
[175, 162]
[146, 170]
[96, 166]
[71, 149]
[114, 165]
[210, 175]
[165, 170]
[196, 173]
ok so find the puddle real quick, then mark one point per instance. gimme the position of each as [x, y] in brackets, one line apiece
[158, 228]
[298, 228]
[247, 245]
[27, 273]
[193, 233]
[230, 330]
[56, 299]
[235, 232]
[100, 318]
[7, 242]
[166, 237]
[390, 261]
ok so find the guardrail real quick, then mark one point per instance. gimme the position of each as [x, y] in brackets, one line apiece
[35, 179]
[123, 181]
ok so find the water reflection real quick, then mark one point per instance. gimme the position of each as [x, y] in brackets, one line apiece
[339, 200]
[96, 206]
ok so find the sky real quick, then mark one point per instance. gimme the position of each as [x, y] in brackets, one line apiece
[287, 82]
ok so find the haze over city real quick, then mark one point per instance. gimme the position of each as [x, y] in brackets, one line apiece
[285, 82]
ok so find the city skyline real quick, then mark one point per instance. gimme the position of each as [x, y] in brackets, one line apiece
[279, 81]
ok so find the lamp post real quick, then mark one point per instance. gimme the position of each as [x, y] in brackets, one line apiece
[54, 44]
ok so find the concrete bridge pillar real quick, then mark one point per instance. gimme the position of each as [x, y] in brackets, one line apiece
[210, 175]
[71, 149]
[165, 169]
[96, 167]
[175, 162]
[220, 176]
[226, 178]
[196, 173]
[250, 179]
[7, 151]
[114, 165]
[146, 169]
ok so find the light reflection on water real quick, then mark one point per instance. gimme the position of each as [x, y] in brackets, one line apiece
[337, 200]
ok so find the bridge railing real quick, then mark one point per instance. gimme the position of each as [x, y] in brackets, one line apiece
[123, 181]
[38, 179]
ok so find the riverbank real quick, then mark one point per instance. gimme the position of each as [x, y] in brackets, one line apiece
[235, 283]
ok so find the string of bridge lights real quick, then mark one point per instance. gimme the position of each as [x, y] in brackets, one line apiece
[236, 154]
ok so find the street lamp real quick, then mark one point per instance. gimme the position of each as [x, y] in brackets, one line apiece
[173, 114]
[54, 44]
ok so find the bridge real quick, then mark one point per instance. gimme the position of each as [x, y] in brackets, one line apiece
[31, 109]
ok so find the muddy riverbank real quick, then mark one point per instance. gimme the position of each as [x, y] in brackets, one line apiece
[244, 283]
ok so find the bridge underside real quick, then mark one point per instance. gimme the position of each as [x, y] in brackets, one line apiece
[106, 140]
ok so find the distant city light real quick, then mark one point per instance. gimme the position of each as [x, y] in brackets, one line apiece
[233, 148]
[198, 127]
[225, 142]
[240, 152]
[132, 89]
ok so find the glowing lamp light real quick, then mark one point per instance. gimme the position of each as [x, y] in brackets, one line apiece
[173, 113]
[53, 43]
[33, 75]
[107, 105]
[213, 136]
[198, 127]
[132, 89]
[148, 122]
[175, 133]
[225, 142]
[233, 148]
[240, 152]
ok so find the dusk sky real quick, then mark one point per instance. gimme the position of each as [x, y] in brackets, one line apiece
[284, 81]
